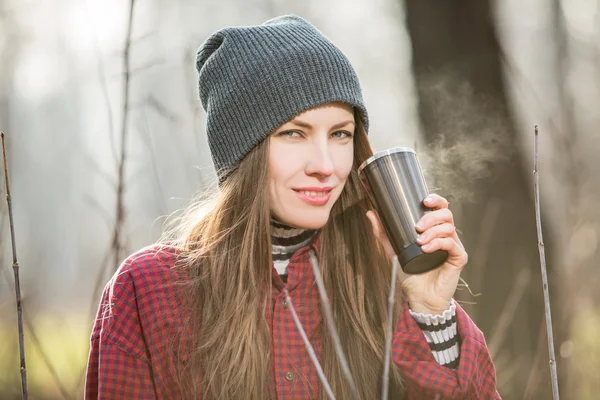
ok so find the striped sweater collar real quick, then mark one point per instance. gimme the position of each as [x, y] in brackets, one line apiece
[286, 240]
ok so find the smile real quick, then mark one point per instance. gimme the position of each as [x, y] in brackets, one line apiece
[314, 196]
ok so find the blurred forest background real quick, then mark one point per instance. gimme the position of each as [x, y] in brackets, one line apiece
[105, 136]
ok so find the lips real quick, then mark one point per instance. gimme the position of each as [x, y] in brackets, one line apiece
[312, 193]
[317, 196]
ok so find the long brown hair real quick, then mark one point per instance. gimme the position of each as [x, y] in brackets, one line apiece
[228, 262]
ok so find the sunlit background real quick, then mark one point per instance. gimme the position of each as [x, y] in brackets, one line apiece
[464, 82]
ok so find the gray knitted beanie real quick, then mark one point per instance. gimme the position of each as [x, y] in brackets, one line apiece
[253, 79]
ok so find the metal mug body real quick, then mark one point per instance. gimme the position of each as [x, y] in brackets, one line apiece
[394, 182]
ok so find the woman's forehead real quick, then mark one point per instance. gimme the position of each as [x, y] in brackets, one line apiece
[329, 110]
[335, 105]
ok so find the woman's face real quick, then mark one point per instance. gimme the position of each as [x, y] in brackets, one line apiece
[310, 158]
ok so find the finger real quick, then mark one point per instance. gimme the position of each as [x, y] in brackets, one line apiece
[435, 202]
[447, 244]
[456, 254]
[433, 218]
[438, 231]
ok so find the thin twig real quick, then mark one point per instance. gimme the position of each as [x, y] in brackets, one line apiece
[102, 211]
[508, 371]
[161, 108]
[309, 348]
[510, 307]
[103, 86]
[333, 332]
[46, 359]
[120, 207]
[15, 266]
[466, 285]
[461, 302]
[538, 220]
[149, 64]
[388, 338]
[98, 282]
[533, 378]
[144, 131]
[481, 250]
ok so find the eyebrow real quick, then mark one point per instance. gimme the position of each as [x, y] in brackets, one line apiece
[308, 126]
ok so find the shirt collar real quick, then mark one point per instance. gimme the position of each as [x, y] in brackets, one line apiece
[300, 254]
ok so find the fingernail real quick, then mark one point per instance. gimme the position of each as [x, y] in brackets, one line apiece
[426, 246]
[420, 238]
[429, 199]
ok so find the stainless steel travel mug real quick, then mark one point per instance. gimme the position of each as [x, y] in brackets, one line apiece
[395, 184]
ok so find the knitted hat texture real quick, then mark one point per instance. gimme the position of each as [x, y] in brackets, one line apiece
[253, 79]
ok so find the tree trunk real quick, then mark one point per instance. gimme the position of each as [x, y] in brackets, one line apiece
[473, 158]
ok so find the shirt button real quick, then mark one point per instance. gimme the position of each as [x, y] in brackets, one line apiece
[284, 303]
[289, 376]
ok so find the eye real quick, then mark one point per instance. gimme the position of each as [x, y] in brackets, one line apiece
[295, 134]
[341, 134]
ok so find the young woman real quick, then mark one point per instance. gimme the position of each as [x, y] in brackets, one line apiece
[209, 314]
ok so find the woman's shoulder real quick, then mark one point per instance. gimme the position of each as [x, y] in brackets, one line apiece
[151, 271]
[140, 300]
[150, 262]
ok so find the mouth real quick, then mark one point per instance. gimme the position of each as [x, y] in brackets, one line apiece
[317, 196]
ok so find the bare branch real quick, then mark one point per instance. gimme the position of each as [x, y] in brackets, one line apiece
[510, 307]
[46, 359]
[161, 108]
[120, 207]
[333, 332]
[105, 95]
[105, 215]
[466, 285]
[534, 375]
[309, 348]
[388, 337]
[143, 37]
[538, 220]
[149, 64]
[41, 351]
[481, 250]
[98, 282]
[145, 134]
[95, 167]
[15, 265]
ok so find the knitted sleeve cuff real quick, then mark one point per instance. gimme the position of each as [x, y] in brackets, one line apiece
[441, 335]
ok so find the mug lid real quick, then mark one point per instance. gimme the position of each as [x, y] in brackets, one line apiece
[384, 153]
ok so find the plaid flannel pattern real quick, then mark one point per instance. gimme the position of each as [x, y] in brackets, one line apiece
[132, 339]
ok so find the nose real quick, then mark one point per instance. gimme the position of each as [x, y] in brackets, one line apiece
[320, 162]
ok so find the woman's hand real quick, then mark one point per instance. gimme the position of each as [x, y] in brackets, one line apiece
[430, 292]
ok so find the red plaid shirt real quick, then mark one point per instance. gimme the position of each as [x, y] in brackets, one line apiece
[138, 316]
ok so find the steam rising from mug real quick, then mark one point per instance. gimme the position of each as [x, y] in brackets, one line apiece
[395, 184]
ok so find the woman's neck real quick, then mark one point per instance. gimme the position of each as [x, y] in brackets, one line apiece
[285, 241]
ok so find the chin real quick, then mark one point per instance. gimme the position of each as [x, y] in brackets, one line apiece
[313, 220]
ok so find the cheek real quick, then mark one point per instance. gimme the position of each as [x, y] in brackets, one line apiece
[276, 164]
[282, 166]
[344, 162]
